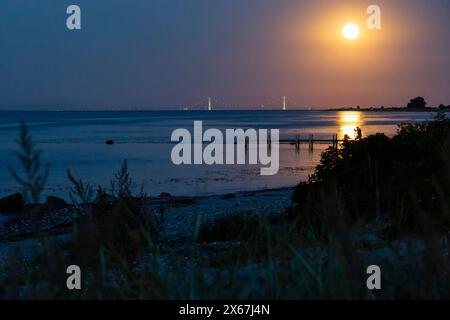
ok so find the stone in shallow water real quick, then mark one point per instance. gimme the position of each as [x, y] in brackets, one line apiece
[12, 204]
[165, 195]
[54, 204]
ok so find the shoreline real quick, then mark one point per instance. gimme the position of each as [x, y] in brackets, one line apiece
[387, 109]
[179, 213]
[64, 193]
[428, 109]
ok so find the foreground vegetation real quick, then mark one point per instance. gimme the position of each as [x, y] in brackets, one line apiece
[377, 200]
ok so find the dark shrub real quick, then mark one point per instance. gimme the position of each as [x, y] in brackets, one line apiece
[403, 180]
[239, 226]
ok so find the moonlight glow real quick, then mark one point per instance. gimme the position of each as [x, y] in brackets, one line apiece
[350, 31]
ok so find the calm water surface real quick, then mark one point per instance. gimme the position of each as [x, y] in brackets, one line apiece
[76, 141]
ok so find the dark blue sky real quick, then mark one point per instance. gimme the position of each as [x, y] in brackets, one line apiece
[172, 53]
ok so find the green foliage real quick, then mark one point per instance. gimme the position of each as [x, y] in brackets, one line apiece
[244, 235]
[121, 184]
[80, 191]
[239, 226]
[34, 178]
[120, 225]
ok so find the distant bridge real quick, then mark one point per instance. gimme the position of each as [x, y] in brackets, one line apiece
[210, 103]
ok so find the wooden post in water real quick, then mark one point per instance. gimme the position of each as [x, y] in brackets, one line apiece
[297, 142]
[311, 143]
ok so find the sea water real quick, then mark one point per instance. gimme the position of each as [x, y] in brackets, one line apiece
[76, 141]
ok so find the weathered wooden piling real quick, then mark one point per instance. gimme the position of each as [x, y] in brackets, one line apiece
[311, 143]
[335, 141]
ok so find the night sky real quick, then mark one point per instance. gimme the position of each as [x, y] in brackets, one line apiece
[161, 54]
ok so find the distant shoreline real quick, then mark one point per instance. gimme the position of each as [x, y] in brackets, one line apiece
[393, 109]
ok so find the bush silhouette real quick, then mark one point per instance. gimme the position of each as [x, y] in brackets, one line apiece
[403, 179]
[417, 103]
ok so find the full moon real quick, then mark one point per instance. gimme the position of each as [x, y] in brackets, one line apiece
[350, 31]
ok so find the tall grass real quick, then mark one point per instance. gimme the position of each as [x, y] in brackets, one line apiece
[32, 177]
